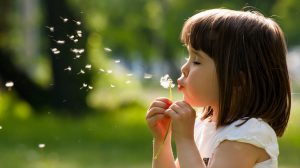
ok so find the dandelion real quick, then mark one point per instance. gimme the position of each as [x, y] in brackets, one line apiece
[81, 72]
[51, 29]
[147, 76]
[107, 50]
[64, 19]
[117, 61]
[167, 83]
[88, 66]
[41, 146]
[68, 68]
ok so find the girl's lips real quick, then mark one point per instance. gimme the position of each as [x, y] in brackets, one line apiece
[179, 84]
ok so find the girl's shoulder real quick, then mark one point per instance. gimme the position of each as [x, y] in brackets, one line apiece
[253, 131]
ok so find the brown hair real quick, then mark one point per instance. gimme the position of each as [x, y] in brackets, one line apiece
[249, 52]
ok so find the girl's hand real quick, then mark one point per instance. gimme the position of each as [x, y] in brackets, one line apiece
[157, 119]
[183, 120]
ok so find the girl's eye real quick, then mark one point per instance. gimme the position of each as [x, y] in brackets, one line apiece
[196, 63]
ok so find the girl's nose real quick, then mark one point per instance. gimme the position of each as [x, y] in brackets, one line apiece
[185, 70]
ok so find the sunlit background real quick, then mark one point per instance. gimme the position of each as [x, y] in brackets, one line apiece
[76, 77]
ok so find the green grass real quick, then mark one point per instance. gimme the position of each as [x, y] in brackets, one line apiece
[118, 139]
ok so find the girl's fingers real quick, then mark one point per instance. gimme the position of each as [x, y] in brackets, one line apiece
[171, 113]
[158, 103]
[154, 111]
[153, 120]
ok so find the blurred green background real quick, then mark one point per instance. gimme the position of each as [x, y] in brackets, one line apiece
[86, 108]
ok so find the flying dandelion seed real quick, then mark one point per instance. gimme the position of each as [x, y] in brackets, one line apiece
[77, 22]
[128, 82]
[117, 61]
[77, 56]
[147, 76]
[102, 70]
[56, 52]
[90, 87]
[112, 86]
[51, 29]
[75, 40]
[60, 42]
[107, 50]
[129, 74]
[77, 51]
[79, 33]
[64, 19]
[84, 85]
[88, 66]
[9, 84]
[0, 127]
[109, 71]
[81, 72]
[71, 37]
[42, 146]
[68, 68]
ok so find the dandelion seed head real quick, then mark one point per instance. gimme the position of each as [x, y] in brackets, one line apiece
[9, 84]
[42, 146]
[147, 76]
[107, 49]
[166, 82]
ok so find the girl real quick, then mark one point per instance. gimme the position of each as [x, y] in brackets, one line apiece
[237, 71]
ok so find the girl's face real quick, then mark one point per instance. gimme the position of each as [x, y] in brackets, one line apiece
[198, 81]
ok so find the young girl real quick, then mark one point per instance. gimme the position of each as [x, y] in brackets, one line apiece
[237, 71]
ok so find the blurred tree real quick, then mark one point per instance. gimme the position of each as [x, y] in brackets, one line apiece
[64, 94]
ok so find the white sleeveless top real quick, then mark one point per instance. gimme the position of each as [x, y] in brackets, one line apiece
[255, 132]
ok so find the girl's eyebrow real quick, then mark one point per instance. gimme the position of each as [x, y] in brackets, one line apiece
[197, 53]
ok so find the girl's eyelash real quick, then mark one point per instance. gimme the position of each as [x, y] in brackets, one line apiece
[196, 63]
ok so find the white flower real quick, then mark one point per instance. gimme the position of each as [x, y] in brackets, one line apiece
[166, 82]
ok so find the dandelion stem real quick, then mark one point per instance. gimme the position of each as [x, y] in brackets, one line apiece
[168, 128]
